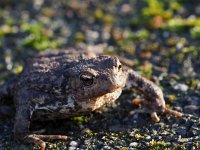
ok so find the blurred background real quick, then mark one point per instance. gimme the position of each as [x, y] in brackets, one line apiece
[159, 38]
[161, 32]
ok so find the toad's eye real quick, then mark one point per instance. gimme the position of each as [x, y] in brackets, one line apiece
[87, 79]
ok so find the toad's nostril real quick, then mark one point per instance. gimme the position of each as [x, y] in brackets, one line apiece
[119, 67]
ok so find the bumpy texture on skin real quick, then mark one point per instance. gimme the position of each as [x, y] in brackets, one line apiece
[71, 83]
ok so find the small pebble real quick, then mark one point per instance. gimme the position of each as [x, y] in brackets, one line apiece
[166, 34]
[92, 36]
[182, 132]
[191, 109]
[73, 144]
[71, 148]
[133, 144]
[181, 87]
[106, 147]
[193, 100]
[148, 137]
[179, 45]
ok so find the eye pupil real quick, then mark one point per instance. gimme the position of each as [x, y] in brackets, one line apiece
[87, 80]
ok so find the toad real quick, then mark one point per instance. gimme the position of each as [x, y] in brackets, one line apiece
[71, 83]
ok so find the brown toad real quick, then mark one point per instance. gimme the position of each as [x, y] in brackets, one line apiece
[70, 83]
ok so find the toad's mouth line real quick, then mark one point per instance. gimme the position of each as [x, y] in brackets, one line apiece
[115, 89]
[112, 90]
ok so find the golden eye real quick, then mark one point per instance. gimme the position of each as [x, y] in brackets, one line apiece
[87, 79]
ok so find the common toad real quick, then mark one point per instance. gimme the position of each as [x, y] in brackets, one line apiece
[71, 83]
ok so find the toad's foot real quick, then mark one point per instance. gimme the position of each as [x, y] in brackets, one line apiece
[147, 109]
[38, 139]
[172, 112]
[154, 116]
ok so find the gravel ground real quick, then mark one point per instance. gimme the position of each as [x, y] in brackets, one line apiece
[159, 38]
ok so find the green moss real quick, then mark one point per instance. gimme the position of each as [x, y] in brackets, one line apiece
[175, 25]
[175, 40]
[124, 148]
[108, 19]
[156, 145]
[38, 36]
[196, 145]
[127, 46]
[172, 97]
[6, 30]
[17, 69]
[179, 147]
[192, 21]
[193, 84]
[139, 136]
[47, 11]
[56, 145]
[180, 24]
[35, 27]
[142, 34]
[146, 70]
[98, 13]
[1, 66]
[183, 140]
[168, 106]
[175, 5]
[180, 56]
[195, 32]
[156, 8]
[79, 37]
[80, 118]
[190, 49]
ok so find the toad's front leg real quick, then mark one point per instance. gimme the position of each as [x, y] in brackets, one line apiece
[22, 124]
[21, 131]
[154, 101]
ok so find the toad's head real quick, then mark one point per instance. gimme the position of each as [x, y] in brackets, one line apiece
[92, 78]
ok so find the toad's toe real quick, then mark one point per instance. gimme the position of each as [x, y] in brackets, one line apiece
[155, 117]
[171, 112]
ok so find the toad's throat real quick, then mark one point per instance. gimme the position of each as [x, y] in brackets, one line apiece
[108, 98]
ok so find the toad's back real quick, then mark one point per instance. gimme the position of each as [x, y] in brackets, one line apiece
[55, 61]
[45, 70]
